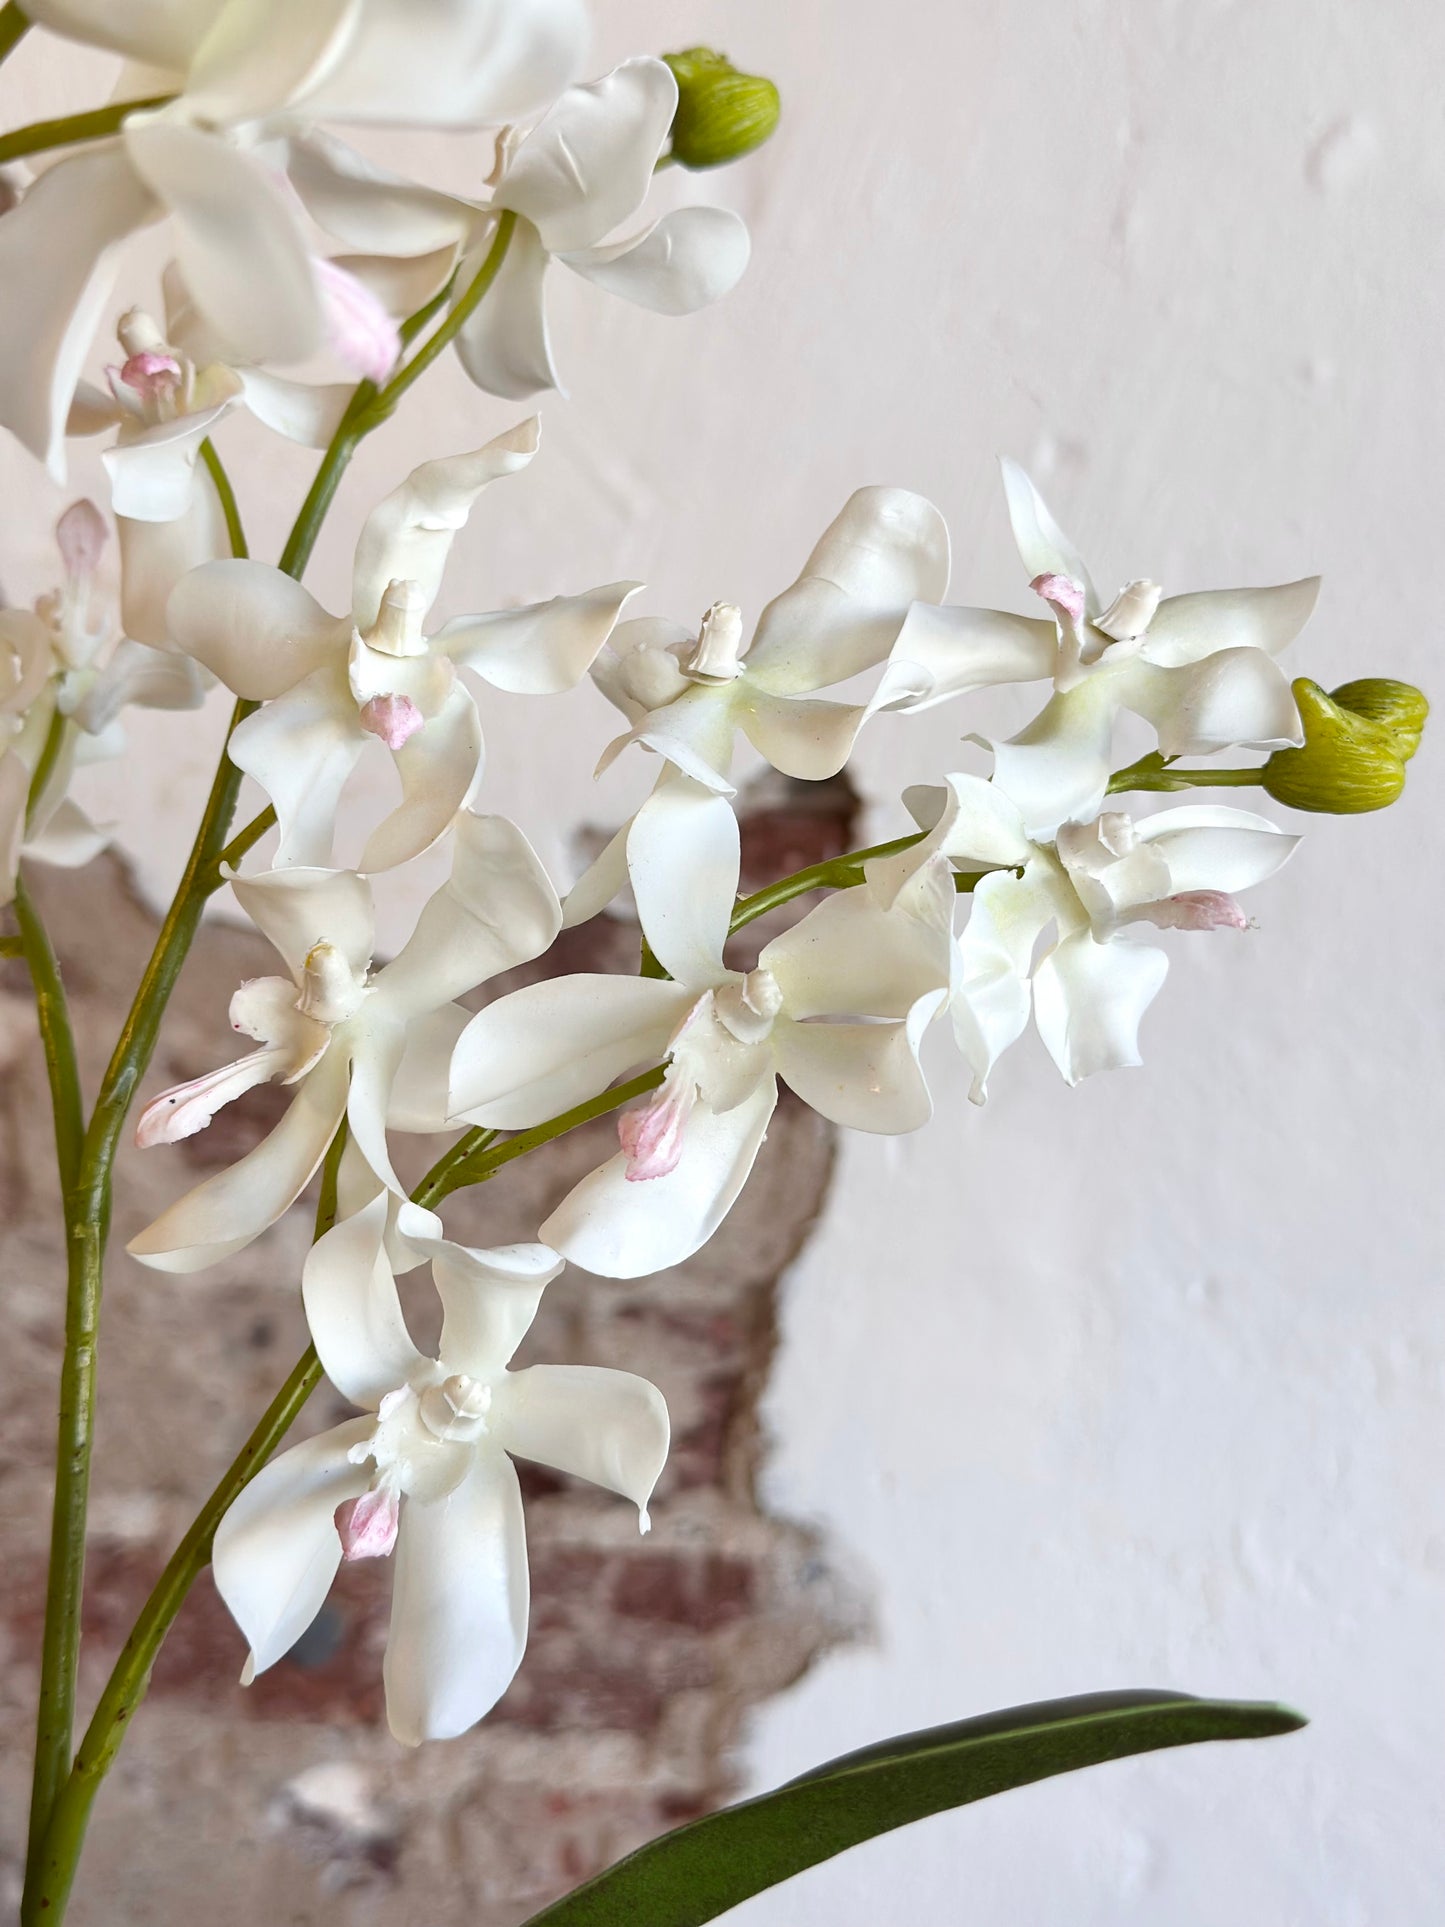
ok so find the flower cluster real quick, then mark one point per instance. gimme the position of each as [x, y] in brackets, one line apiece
[1020, 889]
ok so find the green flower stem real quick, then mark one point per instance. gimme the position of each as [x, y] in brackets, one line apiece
[72, 128]
[1155, 772]
[58, 1857]
[239, 844]
[229, 507]
[49, 756]
[55, 1035]
[474, 1158]
[14, 26]
[387, 398]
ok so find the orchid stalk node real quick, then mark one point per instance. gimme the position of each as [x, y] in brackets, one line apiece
[721, 114]
[1354, 754]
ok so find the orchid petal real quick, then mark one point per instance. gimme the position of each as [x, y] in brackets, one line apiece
[229, 1210]
[261, 298]
[459, 1604]
[542, 649]
[803, 737]
[865, 1076]
[1187, 628]
[439, 766]
[298, 909]
[307, 412]
[619, 1229]
[887, 549]
[551, 1045]
[253, 627]
[58, 261]
[301, 748]
[603, 879]
[165, 36]
[376, 1059]
[852, 957]
[607, 1426]
[990, 1006]
[960, 649]
[1089, 999]
[1041, 543]
[497, 909]
[1208, 846]
[408, 536]
[68, 839]
[1057, 769]
[503, 344]
[694, 733]
[1236, 697]
[261, 54]
[685, 261]
[588, 163]
[975, 824]
[152, 474]
[419, 1100]
[353, 1310]
[276, 1549]
[369, 207]
[489, 1300]
[683, 856]
[144, 677]
[156, 556]
[445, 63]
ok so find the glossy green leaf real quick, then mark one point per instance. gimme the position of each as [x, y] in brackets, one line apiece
[701, 1870]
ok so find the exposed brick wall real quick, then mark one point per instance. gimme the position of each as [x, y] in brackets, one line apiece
[288, 1802]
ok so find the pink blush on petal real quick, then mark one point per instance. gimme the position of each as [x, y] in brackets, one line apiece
[395, 719]
[367, 1526]
[1199, 910]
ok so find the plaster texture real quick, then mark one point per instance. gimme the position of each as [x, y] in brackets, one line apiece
[1142, 1383]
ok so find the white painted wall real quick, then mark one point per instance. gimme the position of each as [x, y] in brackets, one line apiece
[1139, 1384]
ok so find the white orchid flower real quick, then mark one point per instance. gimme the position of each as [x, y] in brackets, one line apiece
[835, 1007]
[1200, 668]
[428, 1471]
[580, 173]
[1091, 985]
[687, 694]
[61, 658]
[341, 1033]
[330, 685]
[242, 74]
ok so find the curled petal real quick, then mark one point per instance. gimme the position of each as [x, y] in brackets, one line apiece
[957, 650]
[609, 1427]
[1196, 910]
[865, 1076]
[1235, 697]
[851, 957]
[229, 1210]
[298, 909]
[301, 748]
[588, 163]
[540, 650]
[439, 768]
[408, 536]
[1089, 999]
[887, 549]
[685, 261]
[1186, 628]
[152, 474]
[369, 207]
[459, 1604]
[155, 558]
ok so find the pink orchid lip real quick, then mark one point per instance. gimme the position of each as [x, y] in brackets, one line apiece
[361, 332]
[367, 1526]
[651, 1136]
[1198, 910]
[155, 376]
[1063, 595]
[395, 719]
[81, 535]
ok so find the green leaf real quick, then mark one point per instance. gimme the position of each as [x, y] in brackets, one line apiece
[701, 1870]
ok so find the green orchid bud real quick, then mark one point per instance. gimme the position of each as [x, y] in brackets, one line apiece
[1348, 762]
[1400, 706]
[721, 113]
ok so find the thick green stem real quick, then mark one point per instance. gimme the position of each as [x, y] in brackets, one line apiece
[72, 128]
[14, 25]
[59, 1850]
[56, 1036]
[1156, 772]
